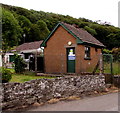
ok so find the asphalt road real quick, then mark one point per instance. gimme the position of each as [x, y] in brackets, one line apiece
[107, 102]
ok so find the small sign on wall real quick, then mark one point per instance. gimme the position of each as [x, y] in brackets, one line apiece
[71, 57]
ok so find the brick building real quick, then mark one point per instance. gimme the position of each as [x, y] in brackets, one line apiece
[69, 49]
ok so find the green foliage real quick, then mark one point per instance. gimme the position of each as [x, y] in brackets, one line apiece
[114, 40]
[10, 30]
[116, 54]
[6, 75]
[106, 51]
[85, 20]
[24, 12]
[83, 24]
[34, 34]
[90, 30]
[43, 30]
[19, 64]
[25, 24]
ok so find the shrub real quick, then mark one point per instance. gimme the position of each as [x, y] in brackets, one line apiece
[116, 54]
[6, 75]
[19, 64]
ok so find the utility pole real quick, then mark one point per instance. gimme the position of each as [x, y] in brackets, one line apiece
[24, 37]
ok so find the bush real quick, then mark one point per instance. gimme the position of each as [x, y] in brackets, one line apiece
[116, 54]
[19, 64]
[6, 75]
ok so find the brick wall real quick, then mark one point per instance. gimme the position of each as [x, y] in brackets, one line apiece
[55, 54]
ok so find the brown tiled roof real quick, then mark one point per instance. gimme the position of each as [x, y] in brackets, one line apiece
[29, 46]
[83, 35]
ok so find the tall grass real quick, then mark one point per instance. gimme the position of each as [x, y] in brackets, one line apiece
[115, 68]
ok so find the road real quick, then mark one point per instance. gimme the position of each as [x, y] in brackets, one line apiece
[107, 102]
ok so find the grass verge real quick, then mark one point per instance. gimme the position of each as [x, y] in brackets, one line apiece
[23, 78]
[26, 76]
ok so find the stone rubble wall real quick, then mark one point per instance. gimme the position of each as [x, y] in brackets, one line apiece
[116, 80]
[42, 90]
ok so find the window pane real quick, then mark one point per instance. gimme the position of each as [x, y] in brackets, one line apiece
[11, 58]
[87, 52]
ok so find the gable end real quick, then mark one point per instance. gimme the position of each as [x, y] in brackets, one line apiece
[78, 40]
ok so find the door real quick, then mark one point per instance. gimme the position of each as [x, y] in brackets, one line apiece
[71, 60]
[40, 64]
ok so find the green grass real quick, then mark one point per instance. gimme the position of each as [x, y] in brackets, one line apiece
[116, 67]
[23, 78]
[12, 70]
[26, 76]
[107, 69]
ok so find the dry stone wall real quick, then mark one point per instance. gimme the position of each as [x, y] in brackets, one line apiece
[42, 90]
[116, 80]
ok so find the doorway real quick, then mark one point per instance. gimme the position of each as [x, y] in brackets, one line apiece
[40, 64]
[71, 60]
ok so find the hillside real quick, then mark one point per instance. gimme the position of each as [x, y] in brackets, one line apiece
[20, 25]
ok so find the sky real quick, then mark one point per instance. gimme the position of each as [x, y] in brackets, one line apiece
[104, 10]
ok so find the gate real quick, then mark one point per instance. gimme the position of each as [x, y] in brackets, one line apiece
[108, 68]
[108, 64]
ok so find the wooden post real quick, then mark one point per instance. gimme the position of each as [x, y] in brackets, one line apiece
[111, 64]
[101, 64]
[111, 69]
[36, 63]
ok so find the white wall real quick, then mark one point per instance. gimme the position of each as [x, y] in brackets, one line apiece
[0, 60]
[6, 59]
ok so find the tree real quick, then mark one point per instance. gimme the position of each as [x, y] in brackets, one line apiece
[25, 12]
[114, 40]
[34, 34]
[11, 31]
[25, 25]
[43, 30]
[90, 30]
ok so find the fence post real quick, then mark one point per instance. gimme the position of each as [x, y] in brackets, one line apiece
[36, 63]
[111, 64]
[111, 69]
[101, 64]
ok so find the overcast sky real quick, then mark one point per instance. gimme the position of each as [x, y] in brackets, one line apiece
[105, 10]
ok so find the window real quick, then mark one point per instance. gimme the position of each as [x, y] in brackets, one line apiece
[87, 53]
[11, 58]
[27, 55]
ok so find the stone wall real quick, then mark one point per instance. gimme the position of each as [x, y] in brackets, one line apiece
[116, 80]
[42, 90]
